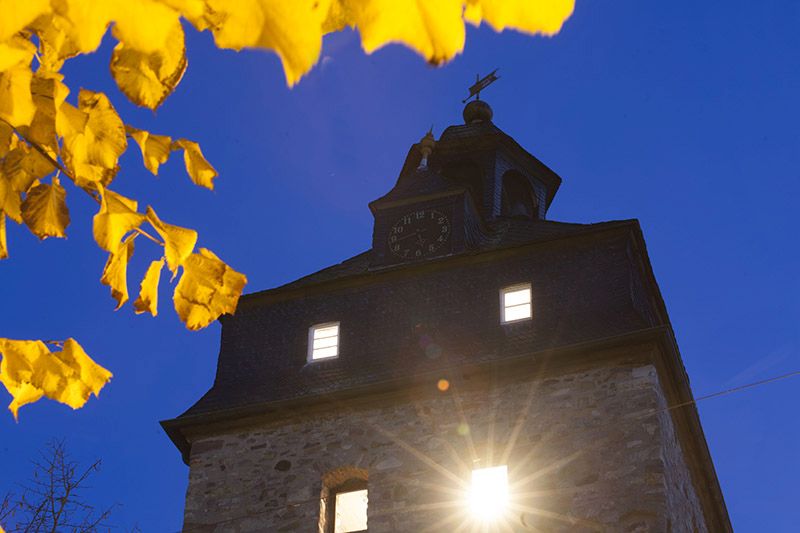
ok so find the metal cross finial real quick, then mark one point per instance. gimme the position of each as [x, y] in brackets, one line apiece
[481, 84]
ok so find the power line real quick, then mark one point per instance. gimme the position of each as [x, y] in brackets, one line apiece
[730, 391]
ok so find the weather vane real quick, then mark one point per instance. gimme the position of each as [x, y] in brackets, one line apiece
[481, 84]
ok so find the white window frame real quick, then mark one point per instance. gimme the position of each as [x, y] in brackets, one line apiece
[504, 308]
[311, 350]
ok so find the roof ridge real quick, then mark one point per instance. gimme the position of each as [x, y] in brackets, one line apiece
[359, 261]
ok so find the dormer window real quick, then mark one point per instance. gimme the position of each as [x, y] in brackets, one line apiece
[323, 341]
[515, 303]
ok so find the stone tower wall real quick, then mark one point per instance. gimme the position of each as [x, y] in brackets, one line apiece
[586, 450]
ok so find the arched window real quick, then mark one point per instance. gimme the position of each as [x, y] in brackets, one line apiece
[518, 200]
[469, 174]
[343, 502]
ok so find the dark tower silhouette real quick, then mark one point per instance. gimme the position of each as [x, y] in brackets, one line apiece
[478, 360]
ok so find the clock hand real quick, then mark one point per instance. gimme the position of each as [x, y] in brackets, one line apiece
[415, 234]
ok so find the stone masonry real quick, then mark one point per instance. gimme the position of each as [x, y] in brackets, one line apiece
[587, 449]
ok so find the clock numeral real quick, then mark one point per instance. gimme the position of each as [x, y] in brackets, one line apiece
[419, 226]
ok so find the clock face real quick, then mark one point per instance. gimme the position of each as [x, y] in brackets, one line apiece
[419, 234]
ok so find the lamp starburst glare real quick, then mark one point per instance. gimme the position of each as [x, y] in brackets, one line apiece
[488, 496]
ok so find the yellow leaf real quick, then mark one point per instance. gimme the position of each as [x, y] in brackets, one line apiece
[147, 302]
[91, 156]
[58, 40]
[292, 28]
[70, 121]
[45, 210]
[147, 78]
[115, 271]
[10, 201]
[117, 217]
[16, 51]
[155, 148]
[178, 242]
[338, 17]
[79, 26]
[144, 25]
[434, 29]
[23, 393]
[24, 165]
[17, 14]
[3, 243]
[14, 171]
[531, 16]
[201, 172]
[16, 102]
[207, 289]
[91, 375]
[7, 139]
[29, 370]
[49, 93]
[195, 11]
[36, 165]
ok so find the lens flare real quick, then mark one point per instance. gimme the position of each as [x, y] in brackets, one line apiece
[488, 496]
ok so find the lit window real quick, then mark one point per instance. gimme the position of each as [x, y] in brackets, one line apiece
[489, 493]
[350, 511]
[516, 303]
[323, 341]
[343, 501]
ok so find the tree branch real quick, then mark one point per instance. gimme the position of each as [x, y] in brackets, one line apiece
[55, 504]
[61, 168]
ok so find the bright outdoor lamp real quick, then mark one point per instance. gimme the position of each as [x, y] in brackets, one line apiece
[489, 493]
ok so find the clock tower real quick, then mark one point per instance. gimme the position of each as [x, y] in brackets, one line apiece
[459, 193]
[479, 368]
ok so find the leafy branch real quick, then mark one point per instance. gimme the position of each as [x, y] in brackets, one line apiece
[43, 136]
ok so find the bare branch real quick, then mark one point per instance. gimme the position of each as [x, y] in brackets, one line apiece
[52, 501]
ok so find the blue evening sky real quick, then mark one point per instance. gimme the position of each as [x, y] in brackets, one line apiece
[682, 114]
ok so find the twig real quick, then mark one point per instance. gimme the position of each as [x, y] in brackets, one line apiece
[60, 344]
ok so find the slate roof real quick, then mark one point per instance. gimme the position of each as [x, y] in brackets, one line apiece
[459, 139]
[432, 317]
[418, 183]
[441, 314]
[502, 234]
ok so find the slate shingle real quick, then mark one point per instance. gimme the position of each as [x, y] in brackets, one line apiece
[435, 317]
